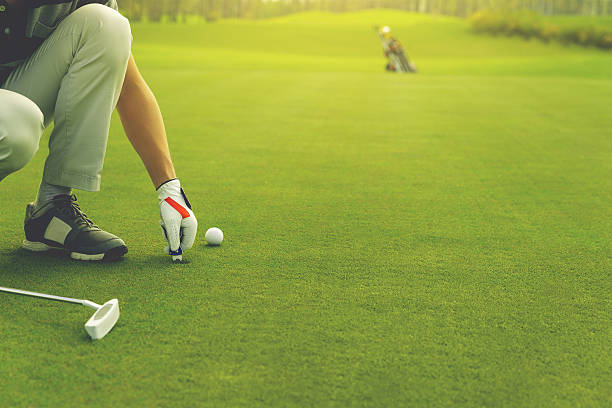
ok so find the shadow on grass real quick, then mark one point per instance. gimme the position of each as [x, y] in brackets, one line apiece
[18, 262]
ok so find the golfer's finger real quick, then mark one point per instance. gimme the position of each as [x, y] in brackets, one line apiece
[190, 229]
[165, 235]
[173, 230]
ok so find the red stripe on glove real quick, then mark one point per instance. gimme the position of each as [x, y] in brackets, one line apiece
[181, 210]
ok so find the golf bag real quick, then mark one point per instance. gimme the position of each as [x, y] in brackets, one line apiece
[397, 59]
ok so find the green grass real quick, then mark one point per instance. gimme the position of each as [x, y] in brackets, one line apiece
[442, 239]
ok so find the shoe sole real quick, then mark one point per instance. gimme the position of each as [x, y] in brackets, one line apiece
[113, 254]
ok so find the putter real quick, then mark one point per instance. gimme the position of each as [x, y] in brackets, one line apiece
[98, 325]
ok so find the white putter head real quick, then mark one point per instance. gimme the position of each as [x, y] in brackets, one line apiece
[103, 320]
[98, 325]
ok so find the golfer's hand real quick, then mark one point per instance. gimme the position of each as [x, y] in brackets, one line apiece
[178, 222]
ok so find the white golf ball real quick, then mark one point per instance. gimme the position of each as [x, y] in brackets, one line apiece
[214, 236]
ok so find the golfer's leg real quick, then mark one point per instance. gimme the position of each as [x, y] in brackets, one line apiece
[21, 125]
[75, 77]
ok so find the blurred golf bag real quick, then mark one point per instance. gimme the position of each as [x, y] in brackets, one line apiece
[397, 59]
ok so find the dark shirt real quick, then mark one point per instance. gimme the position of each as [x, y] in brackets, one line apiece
[14, 45]
[24, 27]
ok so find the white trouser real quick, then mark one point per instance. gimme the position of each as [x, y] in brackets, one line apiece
[73, 79]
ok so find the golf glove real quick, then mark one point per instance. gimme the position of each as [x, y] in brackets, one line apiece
[178, 222]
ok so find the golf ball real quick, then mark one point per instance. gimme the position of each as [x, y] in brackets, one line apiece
[214, 236]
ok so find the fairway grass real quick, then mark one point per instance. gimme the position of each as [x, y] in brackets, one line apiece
[440, 239]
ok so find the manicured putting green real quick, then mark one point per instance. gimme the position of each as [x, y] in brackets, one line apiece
[432, 240]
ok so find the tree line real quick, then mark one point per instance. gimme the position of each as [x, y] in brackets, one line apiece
[175, 10]
[528, 24]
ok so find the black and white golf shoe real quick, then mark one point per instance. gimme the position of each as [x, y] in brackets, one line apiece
[61, 224]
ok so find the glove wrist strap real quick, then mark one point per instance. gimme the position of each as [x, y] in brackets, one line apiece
[166, 182]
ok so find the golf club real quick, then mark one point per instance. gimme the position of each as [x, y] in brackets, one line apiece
[98, 326]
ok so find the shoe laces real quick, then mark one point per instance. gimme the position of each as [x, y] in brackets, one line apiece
[68, 206]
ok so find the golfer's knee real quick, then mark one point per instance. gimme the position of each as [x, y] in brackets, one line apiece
[21, 125]
[111, 28]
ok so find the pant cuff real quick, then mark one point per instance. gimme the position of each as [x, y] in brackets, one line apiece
[78, 181]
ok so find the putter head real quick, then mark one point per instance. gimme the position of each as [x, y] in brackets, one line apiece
[103, 320]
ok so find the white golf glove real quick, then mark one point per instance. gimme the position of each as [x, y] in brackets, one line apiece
[178, 222]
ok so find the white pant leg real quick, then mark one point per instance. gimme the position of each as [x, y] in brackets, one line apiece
[21, 126]
[75, 77]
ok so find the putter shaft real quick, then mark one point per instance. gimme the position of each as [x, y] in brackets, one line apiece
[52, 297]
